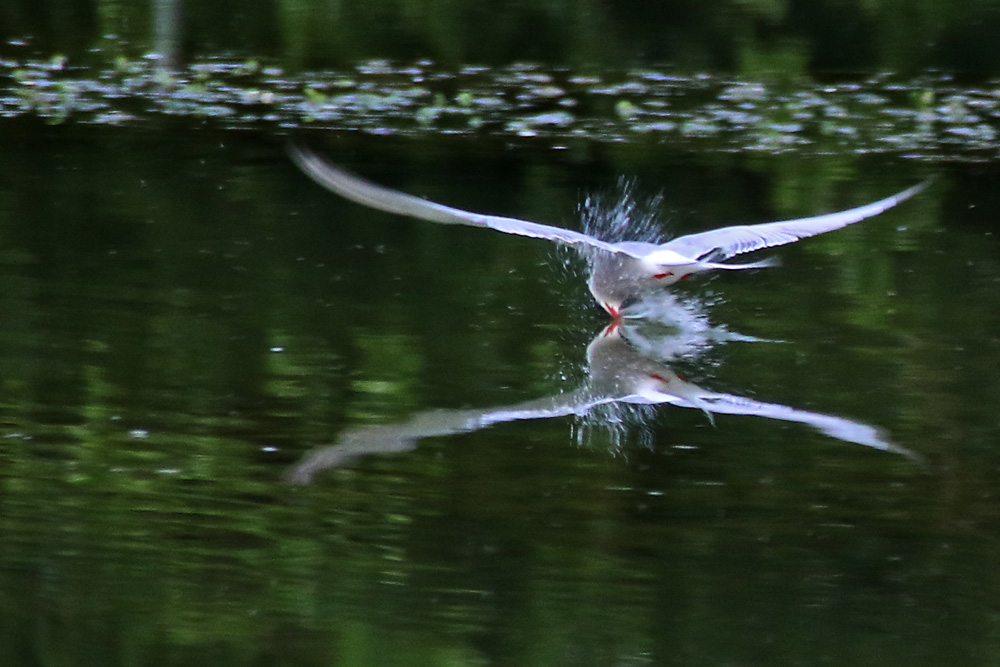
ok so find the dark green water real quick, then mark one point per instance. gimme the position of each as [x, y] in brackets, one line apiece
[186, 316]
[244, 422]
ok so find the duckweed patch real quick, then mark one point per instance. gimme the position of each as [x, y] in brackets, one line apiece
[928, 115]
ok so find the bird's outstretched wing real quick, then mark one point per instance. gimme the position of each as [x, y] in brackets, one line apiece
[363, 192]
[719, 244]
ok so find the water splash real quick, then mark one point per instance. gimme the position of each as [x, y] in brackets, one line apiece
[615, 427]
[623, 216]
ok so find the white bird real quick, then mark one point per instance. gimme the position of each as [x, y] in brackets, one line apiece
[620, 272]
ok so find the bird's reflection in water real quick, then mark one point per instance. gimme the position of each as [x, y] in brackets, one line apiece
[628, 371]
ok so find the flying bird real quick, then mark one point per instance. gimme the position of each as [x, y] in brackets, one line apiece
[620, 272]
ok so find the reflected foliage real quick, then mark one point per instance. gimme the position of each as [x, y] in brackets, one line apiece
[184, 319]
[739, 36]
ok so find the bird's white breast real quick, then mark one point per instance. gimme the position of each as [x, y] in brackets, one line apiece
[665, 257]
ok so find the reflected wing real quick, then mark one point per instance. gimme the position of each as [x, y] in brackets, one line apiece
[395, 438]
[833, 426]
[719, 244]
[363, 192]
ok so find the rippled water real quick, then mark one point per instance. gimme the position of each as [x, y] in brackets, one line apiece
[188, 321]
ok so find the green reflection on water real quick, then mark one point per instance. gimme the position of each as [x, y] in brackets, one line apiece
[185, 316]
[776, 37]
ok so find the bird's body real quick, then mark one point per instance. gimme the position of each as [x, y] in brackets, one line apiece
[619, 277]
[620, 271]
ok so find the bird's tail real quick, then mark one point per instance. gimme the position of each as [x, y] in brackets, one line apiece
[762, 264]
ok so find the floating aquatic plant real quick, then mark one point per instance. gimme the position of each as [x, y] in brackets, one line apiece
[522, 101]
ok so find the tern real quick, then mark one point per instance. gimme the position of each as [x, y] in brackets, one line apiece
[621, 272]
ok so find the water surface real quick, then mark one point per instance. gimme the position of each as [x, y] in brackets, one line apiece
[186, 318]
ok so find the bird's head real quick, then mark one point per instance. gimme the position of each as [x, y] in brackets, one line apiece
[618, 280]
[612, 281]
[613, 301]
